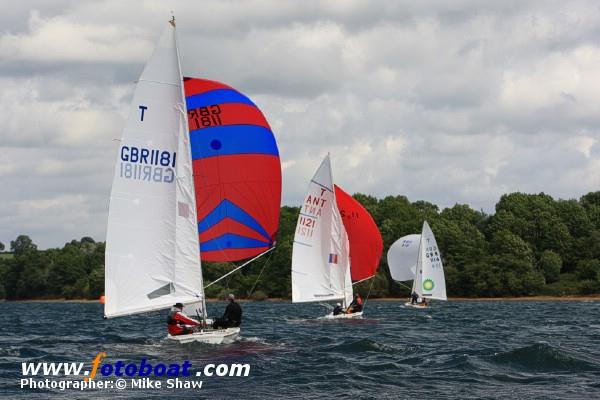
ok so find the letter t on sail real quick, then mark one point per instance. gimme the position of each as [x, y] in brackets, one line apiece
[142, 108]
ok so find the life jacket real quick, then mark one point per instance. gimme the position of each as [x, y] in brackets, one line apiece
[233, 314]
[171, 318]
[176, 321]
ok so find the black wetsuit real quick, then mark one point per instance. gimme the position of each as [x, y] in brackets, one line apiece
[338, 310]
[413, 298]
[231, 318]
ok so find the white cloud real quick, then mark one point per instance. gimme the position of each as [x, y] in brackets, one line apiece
[61, 40]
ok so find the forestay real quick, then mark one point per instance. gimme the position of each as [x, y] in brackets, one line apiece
[320, 257]
[152, 258]
[402, 257]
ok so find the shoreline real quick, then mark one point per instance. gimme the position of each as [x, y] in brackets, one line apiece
[593, 297]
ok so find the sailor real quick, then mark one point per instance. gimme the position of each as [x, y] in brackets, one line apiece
[232, 316]
[356, 305]
[414, 297]
[178, 323]
[424, 302]
[338, 309]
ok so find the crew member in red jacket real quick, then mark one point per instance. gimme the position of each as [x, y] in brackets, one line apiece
[178, 323]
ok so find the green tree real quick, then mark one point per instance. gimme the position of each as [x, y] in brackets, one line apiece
[574, 216]
[512, 260]
[591, 203]
[588, 270]
[550, 264]
[27, 276]
[464, 213]
[22, 244]
[96, 282]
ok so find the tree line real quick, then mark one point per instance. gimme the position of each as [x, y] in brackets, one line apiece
[532, 245]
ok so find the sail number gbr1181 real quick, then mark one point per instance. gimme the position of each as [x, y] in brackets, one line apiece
[145, 164]
[205, 117]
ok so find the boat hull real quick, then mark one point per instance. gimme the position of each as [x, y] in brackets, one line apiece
[345, 316]
[212, 336]
[417, 306]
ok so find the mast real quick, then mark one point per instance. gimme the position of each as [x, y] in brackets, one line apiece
[346, 286]
[418, 270]
[186, 181]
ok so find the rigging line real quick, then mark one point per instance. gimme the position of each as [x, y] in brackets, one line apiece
[362, 280]
[259, 275]
[406, 286]
[369, 293]
[241, 266]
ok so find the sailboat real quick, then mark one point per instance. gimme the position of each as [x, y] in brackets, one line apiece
[416, 257]
[336, 241]
[182, 158]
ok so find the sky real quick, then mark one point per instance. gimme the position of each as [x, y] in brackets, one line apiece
[445, 101]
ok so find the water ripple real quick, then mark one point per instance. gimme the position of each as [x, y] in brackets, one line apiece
[453, 350]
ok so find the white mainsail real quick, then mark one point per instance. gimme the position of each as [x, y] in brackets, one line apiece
[430, 277]
[152, 250]
[402, 257]
[320, 256]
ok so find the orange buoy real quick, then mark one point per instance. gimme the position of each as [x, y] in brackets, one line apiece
[101, 299]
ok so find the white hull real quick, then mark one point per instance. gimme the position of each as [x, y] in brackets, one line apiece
[417, 306]
[216, 336]
[345, 316]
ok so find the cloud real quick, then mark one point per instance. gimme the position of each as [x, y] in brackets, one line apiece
[62, 40]
[448, 102]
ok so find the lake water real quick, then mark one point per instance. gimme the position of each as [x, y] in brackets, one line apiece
[529, 350]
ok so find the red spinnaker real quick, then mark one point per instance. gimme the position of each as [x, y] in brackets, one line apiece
[366, 244]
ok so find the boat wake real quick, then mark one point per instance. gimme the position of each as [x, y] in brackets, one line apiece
[253, 339]
[299, 320]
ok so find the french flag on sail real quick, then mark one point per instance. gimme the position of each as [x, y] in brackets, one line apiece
[333, 258]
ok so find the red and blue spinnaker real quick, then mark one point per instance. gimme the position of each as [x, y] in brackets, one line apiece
[237, 172]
